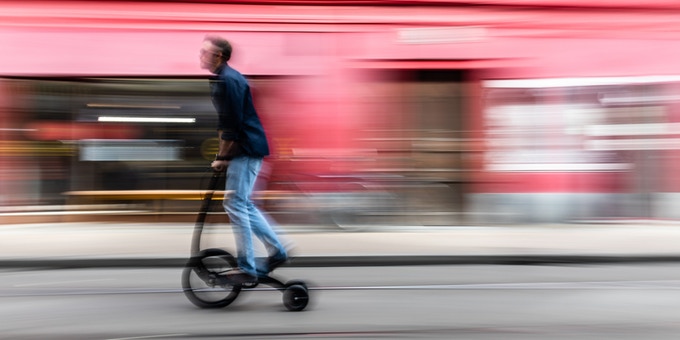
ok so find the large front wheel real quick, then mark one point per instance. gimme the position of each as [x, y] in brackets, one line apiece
[203, 279]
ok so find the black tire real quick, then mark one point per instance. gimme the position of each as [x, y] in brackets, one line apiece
[203, 279]
[297, 282]
[295, 297]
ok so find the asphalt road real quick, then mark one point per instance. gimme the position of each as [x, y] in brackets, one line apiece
[432, 302]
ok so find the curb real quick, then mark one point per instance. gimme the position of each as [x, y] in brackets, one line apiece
[351, 261]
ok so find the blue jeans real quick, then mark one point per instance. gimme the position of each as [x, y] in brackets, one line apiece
[246, 219]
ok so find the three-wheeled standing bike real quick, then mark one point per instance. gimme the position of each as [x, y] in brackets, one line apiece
[204, 278]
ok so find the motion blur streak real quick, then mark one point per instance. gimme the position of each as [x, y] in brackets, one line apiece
[405, 113]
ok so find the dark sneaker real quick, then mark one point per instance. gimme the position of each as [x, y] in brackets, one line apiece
[276, 261]
[238, 276]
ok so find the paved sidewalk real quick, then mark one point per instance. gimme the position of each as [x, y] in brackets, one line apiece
[155, 244]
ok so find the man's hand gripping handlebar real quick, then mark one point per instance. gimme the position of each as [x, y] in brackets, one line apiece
[219, 165]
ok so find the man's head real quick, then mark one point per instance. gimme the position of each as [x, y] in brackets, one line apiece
[215, 52]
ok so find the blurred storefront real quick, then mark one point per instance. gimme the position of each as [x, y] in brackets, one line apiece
[428, 112]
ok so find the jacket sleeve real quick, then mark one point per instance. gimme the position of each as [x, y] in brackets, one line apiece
[232, 115]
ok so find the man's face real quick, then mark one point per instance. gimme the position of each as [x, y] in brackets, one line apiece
[210, 56]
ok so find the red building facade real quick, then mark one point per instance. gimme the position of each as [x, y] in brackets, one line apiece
[485, 110]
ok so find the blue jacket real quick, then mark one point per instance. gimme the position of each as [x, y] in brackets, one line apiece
[237, 117]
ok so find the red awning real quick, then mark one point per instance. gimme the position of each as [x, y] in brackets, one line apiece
[110, 38]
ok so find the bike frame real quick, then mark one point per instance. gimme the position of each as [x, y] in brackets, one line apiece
[203, 212]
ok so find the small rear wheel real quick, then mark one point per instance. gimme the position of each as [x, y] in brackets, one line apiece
[203, 279]
[295, 297]
[297, 282]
